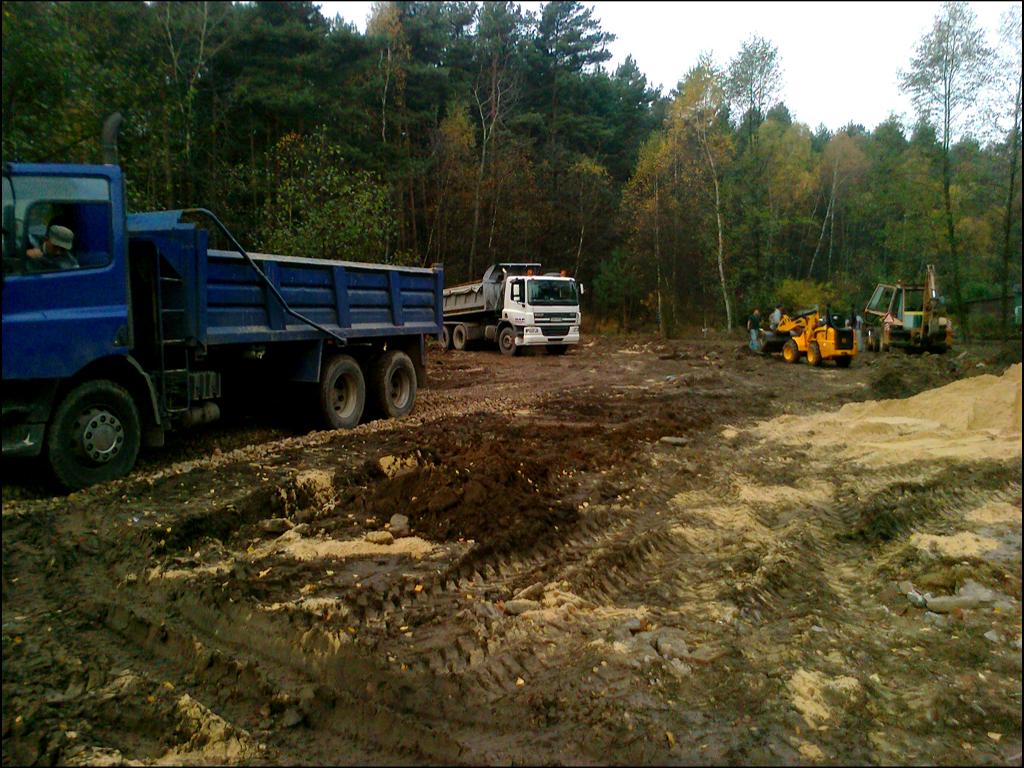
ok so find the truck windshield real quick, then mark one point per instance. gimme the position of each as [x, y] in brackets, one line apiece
[552, 292]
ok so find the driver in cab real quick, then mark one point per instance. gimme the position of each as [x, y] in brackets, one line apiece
[54, 252]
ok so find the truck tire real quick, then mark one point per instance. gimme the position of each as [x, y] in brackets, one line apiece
[813, 354]
[507, 341]
[460, 335]
[446, 338]
[342, 393]
[94, 435]
[557, 349]
[791, 352]
[393, 385]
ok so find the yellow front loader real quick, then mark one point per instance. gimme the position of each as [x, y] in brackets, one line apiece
[812, 335]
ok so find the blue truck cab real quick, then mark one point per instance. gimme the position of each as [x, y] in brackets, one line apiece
[140, 327]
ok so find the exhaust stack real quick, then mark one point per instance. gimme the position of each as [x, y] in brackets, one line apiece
[109, 138]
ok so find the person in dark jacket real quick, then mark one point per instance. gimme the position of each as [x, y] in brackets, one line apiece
[753, 327]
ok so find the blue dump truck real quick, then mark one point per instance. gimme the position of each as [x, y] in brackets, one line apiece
[140, 327]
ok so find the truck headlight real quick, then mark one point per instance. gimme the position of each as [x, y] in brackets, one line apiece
[574, 329]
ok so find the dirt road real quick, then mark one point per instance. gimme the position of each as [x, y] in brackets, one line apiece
[621, 555]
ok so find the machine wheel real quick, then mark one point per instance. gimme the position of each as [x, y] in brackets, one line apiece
[557, 349]
[460, 335]
[342, 393]
[843, 362]
[393, 384]
[507, 341]
[791, 352]
[813, 354]
[446, 338]
[94, 436]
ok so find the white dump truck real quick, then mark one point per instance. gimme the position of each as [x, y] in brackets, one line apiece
[515, 306]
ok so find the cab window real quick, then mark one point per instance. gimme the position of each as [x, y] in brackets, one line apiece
[80, 210]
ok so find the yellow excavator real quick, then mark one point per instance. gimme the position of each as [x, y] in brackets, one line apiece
[813, 335]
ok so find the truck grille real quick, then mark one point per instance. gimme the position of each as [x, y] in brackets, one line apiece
[555, 330]
[555, 317]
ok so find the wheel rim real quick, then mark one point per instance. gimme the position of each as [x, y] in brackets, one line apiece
[100, 435]
[399, 388]
[508, 342]
[344, 396]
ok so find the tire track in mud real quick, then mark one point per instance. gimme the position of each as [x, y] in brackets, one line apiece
[419, 659]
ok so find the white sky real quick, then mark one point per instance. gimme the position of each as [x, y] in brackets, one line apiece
[840, 60]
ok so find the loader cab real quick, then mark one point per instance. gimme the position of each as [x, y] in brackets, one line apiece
[59, 314]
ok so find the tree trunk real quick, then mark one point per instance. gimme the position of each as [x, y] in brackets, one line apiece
[662, 329]
[954, 257]
[1004, 271]
[824, 223]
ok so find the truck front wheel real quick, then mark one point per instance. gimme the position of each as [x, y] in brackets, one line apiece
[507, 341]
[94, 436]
[393, 384]
[342, 393]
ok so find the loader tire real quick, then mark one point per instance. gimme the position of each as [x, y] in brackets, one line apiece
[843, 362]
[813, 354]
[791, 352]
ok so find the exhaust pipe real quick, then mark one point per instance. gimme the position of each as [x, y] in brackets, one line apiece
[109, 138]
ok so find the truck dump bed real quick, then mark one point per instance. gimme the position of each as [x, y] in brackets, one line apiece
[483, 297]
[215, 297]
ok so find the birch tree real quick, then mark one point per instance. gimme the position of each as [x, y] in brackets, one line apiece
[947, 73]
[698, 108]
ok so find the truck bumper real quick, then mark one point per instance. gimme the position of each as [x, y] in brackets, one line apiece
[533, 336]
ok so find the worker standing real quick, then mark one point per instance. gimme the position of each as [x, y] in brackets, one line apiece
[775, 317]
[753, 326]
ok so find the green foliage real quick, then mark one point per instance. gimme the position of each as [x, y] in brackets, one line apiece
[464, 133]
[323, 211]
[795, 295]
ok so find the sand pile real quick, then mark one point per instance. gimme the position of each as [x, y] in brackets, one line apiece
[971, 419]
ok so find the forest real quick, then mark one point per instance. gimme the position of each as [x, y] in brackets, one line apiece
[466, 133]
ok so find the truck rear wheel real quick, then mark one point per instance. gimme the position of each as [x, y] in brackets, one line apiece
[94, 436]
[791, 352]
[342, 393]
[446, 338]
[813, 354]
[460, 335]
[507, 341]
[393, 384]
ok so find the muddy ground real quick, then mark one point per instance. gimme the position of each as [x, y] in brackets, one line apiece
[573, 587]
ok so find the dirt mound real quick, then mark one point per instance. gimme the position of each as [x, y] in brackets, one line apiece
[471, 493]
[971, 419]
[902, 375]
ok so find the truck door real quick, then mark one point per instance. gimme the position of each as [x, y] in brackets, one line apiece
[61, 313]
